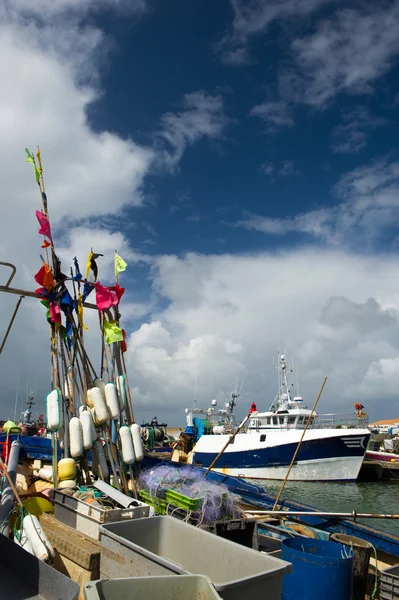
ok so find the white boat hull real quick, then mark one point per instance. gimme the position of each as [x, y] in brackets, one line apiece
[324, 455]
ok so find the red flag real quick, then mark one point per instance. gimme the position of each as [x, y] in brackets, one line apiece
[105, 298]
[46, 244]
[44, 277]
[44, 225]
[123, 344]
[119, 291]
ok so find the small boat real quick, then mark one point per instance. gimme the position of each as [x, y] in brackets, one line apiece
[332, 449]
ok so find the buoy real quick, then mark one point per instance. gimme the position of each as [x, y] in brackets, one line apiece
[99, 405]
[137, 441]
[128, 454]
[40, 545]
[121, 387]
[98, 382]
[66, 469]
[89, 399]
[23, 542]
[102, 461]
[75, 437]
[53, 412]
[111, 398]
[44, 473]
[88, 431]
[68, 483]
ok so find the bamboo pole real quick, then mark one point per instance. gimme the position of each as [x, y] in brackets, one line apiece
[11, 323]
[344, 515]
[231, 438]
[299, 444]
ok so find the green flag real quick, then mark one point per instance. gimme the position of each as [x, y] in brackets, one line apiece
[112, 332]
[30, 159]
[119, 264]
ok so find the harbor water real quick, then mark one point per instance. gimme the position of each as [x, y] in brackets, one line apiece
[373, 497]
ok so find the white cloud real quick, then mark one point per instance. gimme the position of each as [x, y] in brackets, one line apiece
[201, 116]
[337, 314]
[347, 52]
[369, 207]
[275, 115]
[273, 170]
[351, 136]
[253, 17]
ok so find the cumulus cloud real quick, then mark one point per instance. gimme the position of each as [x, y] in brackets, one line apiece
[368, 209]
[253, 17]
[336, 314]
[201, 116]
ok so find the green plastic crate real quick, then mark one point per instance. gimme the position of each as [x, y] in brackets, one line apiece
[158, 503]
[183, 501]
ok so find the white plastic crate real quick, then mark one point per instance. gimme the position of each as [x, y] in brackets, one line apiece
[87, 519]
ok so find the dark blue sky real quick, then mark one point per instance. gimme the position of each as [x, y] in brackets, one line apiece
[173, 50]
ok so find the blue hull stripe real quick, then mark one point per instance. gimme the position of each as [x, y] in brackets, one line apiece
[280, 456]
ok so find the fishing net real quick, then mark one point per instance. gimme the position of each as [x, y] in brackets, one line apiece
[215, 502]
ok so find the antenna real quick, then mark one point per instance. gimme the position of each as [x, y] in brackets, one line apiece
[196, 381]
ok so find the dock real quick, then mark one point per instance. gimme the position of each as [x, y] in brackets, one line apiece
[374, 470]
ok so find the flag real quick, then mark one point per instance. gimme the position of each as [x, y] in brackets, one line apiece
[112, 332]
[80, 313]
[105, 298]
[30, 159]
[123, 342]
[119, 264]
[91, 264]
[55, 313]
[46, 244]
[44, 277]
[44, 224]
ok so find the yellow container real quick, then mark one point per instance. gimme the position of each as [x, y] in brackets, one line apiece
[66, 469]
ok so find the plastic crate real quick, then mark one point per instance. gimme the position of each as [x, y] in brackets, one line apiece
[186, 587]
[158, 503]
[87, 518]
[182, 501]
[389, 583]
[165, 546]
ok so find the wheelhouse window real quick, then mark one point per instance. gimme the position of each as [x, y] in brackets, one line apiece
[268, 421]
[275, 421]
[291, 420]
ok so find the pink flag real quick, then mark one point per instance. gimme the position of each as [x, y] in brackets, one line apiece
[44, 225]
[105, 298]
[55, 314]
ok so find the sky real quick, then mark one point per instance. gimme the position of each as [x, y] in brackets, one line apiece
[242, 157]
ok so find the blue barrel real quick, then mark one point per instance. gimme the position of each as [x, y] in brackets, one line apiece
[319, 570]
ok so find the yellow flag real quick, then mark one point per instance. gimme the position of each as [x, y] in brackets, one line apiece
[88, 264]
[112, 332]
[80, 313]
[39, 159]
[119, 264]
[30, 159]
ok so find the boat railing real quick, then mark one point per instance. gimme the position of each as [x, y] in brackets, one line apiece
[338, 421]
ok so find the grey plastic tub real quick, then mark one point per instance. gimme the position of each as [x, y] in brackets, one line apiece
[164, 545]
[389, 583]
[186, 587]
[24, 577]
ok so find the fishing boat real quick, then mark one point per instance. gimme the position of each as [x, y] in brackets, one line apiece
[332, 448]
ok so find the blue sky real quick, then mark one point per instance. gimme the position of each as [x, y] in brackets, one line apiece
[243, 158]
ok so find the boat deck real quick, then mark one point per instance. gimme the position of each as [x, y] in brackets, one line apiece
[373, 470]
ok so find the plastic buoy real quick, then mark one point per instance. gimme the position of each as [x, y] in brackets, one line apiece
[102, 461]
[88, 431]
[40, 545]
[89, 399]
[128, 454]
[98, 382]
[99, 405]
[53, 412]
[68, 483]
[23, 542]
[121, 387]
[66, 469]
[44, 473]
[137, 441]
[111, 398]
[75, 437]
